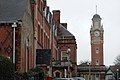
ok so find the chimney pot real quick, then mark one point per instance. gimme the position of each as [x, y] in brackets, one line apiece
[64, 24]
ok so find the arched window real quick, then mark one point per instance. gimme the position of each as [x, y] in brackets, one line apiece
[97, 50]
[57, 74]
[97, 62]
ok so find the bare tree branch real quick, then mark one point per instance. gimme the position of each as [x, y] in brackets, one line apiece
[117, 60]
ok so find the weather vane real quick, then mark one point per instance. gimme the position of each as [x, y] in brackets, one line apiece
[96, 9]
[96, 6]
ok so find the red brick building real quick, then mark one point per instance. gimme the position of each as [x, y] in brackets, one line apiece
[19, 13]
[97, 41]
[95, 70]
[64, 64]
[45, 44]
[40, 38]
[42, 25]
[97, 58]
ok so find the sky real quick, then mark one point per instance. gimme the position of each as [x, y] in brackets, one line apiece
[78, 14]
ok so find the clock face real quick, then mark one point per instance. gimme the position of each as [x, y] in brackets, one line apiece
[97, 33]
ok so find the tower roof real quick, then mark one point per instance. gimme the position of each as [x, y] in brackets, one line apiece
[96, 16]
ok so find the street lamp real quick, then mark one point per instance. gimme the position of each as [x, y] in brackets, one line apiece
[65, 73]
[14, 25]
[89, 71]
[117, 74]
[68, 52]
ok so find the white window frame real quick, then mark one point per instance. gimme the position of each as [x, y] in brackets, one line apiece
[64, 54]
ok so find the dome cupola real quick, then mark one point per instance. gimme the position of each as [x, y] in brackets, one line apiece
[96, 17]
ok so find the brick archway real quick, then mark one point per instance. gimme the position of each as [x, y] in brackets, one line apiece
[57, 73]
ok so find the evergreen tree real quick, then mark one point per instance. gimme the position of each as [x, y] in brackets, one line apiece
[6, 69]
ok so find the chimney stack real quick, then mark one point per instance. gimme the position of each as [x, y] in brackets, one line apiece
[56, 18]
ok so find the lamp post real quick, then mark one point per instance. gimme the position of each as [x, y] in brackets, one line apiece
[117, 74]
[65, 73]
[89, 71]
[14, 25]
[68, 52]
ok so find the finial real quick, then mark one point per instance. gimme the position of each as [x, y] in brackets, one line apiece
[96, 9]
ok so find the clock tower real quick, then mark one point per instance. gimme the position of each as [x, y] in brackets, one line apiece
[96, 34]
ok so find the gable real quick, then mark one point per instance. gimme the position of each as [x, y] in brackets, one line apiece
[109, 72]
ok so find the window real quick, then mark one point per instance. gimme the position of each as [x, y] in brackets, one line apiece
[39, 33]
[97, 50]
[55, 30]
[97, 62]
[41, 36]
[64, 56]
[57, 74]
[40, 5]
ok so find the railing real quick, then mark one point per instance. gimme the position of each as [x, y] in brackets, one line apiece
[91, 68]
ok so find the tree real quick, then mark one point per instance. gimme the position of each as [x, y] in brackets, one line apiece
[117, 60]
[6, 68]
[84, 62]
[37, 71]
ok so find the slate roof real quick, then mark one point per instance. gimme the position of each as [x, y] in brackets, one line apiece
[96, 16]
[64, 31]
[114, 68]
[12, 10]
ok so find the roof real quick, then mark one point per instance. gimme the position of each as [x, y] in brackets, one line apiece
[96, 16]
[115, 67]
[64, 31]
[12, 10]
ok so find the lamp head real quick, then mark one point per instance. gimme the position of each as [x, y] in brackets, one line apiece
[68, 50]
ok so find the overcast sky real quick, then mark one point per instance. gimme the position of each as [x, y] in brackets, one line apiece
[78, 15]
